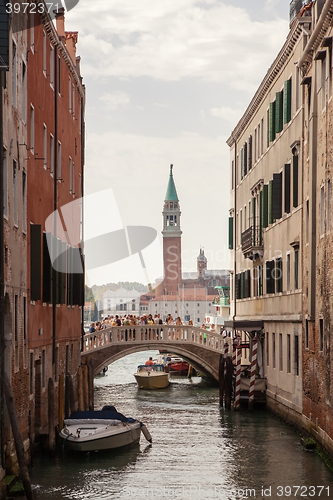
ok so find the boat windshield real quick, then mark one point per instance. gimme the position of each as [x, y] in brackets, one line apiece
[149, 368]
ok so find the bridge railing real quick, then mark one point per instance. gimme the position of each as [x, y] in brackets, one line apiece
[151, 334]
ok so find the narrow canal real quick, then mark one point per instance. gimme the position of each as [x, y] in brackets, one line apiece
[199, 450]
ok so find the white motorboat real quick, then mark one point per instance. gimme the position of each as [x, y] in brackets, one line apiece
[152, 377]
[101, 430]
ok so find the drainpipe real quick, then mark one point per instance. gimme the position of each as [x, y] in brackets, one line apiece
[55, 194]
[2, 287]
[235, 226]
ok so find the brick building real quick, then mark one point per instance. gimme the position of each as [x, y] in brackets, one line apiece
[55, 110]
[41, 170]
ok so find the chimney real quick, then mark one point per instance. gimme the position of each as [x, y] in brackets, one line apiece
[71, 41]
[60, 22]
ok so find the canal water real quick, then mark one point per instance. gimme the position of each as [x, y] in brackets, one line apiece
[199, 450]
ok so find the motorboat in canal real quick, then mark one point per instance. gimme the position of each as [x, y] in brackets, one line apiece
[106, 429]
[152, 376]
[176, 366]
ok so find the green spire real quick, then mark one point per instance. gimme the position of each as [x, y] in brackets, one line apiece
[171, 194]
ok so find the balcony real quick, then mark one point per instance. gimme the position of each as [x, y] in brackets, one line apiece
[252, 242]
[295, 7]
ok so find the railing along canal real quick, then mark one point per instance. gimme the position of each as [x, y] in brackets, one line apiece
[142, 334]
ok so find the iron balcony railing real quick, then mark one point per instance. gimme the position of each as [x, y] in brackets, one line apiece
[251, 239]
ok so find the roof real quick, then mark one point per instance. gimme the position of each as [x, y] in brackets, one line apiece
[171, 194]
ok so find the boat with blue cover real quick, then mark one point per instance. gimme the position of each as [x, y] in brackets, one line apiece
[104, 429]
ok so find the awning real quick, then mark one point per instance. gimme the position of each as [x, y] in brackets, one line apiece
[247, 326]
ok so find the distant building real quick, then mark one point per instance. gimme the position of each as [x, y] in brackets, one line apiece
[188, 295]
[121, 301]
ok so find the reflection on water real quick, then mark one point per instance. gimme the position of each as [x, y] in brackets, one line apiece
[199, 450]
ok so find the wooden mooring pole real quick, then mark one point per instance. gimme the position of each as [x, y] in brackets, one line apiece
[24, 474]
[253, 371]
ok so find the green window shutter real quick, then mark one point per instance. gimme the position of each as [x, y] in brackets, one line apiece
[287, 101]
[248, 291]
[246, 284]
[231, 233]
[47, 272]
[295, 181]
[245, 158]
[265, 206]
[260, 217]
[272, 121]
[35, 261]
[242, 285]
[253, 204]
[279, 112]
[242, 163]
[277, 196]
[270, 202]
[238, 286]
[250, 153]
[287, 188]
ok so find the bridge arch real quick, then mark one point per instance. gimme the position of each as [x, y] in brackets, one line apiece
[107, 346]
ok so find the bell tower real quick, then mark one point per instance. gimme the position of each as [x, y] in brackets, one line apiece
[171, 242]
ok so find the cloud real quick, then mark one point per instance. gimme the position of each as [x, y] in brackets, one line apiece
[175, 39]
[227, 114]
[115, 99]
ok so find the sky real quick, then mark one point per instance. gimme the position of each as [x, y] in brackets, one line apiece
[166, 83]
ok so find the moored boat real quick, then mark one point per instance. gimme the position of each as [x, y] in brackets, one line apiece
[105, 429]
[177, 366]
[152, 377]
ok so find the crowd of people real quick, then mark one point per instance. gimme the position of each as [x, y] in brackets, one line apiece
[146, 319]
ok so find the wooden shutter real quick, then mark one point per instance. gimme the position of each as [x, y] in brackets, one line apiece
[260, 216]
[248, 283]
[287, 188]
[47, 272]
[245, 158]
[231, 233]
[270, 202]
[287, 101]
[265, 205]
[270, 283]
[253, 203]
[279, 112]
[250, 153]
[272, 121]
[242, 163]
[278, 275]
[295, 181]
[277, 196]
[35, 261]
[78, 289]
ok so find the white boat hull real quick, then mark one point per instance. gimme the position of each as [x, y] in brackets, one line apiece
[95, 435]
[152, 380]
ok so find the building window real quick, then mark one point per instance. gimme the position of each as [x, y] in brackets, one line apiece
[73, 100]
[43, 368]
[288, 271]
[59, 162]
[296, 351]
[56, 364]
[67, 359]
[24, 92]
[321, 334]
[44, 53]
[24, 201]
[323, 83]
[273, 346]
[270, 281]
[32, 129]
[51, 154]
[295, 181]
[15, 192]
[306, 334]
[279, 112]
[322, 210]
[52, 66]
[14, 74]
[280, 353]
[287, 188]
[267, 349]
[70, 95]
[287, 101]
[5, 183]
[32, 31]
[45, 145]
[288, 354]
[70, 175]
[16, 329]
[59, 75]
[328, 218]
[307, 222]
[278, 275]
[296, 269]
[31, 373]
[73, 178]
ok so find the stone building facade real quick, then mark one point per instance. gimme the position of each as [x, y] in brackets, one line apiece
[280, 222]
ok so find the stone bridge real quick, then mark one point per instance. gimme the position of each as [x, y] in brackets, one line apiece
[202, 349]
